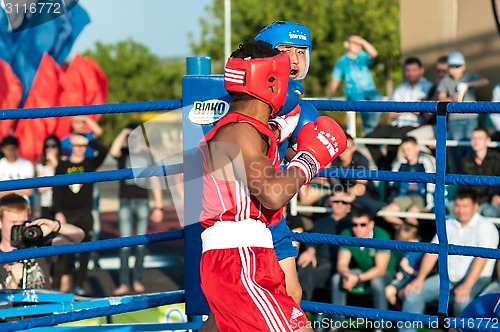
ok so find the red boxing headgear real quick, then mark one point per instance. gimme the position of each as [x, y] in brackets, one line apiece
[256, 76]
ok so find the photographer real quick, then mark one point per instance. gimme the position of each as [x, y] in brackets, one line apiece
[17, 233]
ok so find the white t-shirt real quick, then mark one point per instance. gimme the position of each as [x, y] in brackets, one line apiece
[46, 196]
[479, 232]
[406, 92]
[20, 169]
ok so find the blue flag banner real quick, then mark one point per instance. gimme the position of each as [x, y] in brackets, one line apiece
[5, 36]
[70, 27]
[30, 28]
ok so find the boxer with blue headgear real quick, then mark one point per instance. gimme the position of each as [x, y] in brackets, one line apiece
[293, 38]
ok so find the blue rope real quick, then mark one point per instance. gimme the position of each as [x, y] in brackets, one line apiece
[91, 177]
[476, 107]
[129, 241]
[386, 315]
[432, 248]
[143, 302]
[373, 106]
[35, 113]
[402, 107]
[346, 173]
[473, 180]
[362, 174]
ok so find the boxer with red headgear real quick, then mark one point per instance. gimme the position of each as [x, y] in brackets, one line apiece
[244, 191]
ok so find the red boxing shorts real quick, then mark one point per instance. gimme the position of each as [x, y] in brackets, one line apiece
[245, 288]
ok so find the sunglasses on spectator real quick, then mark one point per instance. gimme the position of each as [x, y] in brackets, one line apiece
[51, 146]
[79, 145]
[354, 225]
[455, 66]
[342, 202]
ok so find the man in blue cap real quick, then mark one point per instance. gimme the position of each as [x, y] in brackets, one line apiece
[460, 86]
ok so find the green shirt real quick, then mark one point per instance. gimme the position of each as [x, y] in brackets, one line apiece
[363, 257]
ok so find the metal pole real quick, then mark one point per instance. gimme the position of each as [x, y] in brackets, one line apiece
[351, 124]
[227, 28]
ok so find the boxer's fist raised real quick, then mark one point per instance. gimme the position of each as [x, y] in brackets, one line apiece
[318, 143]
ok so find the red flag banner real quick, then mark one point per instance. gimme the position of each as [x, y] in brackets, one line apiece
[45, 92]
[11, 91]
[72, 93]
[96, 85]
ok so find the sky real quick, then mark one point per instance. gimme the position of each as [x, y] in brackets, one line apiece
[161, 25]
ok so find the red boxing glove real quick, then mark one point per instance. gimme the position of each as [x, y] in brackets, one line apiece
[318, 143]
[286, 124]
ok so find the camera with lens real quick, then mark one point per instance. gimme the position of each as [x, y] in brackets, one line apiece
[22, 236]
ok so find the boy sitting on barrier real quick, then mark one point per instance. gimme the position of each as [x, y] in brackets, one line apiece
[18, 232]
[411, 196]
[408, 265]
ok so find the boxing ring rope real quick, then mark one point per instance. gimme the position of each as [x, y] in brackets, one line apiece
[439, 178]
[36, 113]
[141, 302]
[426, 142]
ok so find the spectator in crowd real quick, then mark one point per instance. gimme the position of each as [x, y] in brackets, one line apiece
[468, 275]
[51, 157]
[441, 71]
[427, 130]
[373, 267]
[364, 191]
[83, 125]
[460, 85]
[88, 127]
[14, 211]
[317, 262]
[13, 167]
[414, 88]
[483, 161]
[73, 203]
[353, 68]
[134, 208]
[408, 265]
[410, 196]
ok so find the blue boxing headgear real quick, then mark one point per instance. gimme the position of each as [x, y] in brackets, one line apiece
[288, 33]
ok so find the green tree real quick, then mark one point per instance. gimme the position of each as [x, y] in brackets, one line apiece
[329, 22]
[134, 74]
